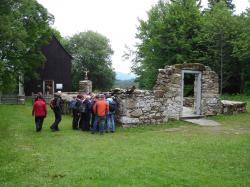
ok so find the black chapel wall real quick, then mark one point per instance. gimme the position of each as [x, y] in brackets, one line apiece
[57, 68]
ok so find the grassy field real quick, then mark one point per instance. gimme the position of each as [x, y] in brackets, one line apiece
[172, 154]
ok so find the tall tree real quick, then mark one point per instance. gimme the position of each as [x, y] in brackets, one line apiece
[24, 28]
[91, 51]
[242, 50]
[229, 3]
[220, 29]
[169, 36]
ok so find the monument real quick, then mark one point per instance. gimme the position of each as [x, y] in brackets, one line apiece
[21, 95]
[85, 86]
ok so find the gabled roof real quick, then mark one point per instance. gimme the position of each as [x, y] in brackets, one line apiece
[53, 37]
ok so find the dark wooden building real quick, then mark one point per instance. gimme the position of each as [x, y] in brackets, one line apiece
[56, 73]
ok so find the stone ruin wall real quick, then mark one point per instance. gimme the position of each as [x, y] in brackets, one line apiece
[165, 101]
[210, 99]
[141, 107]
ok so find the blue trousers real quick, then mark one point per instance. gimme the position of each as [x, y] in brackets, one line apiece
[101, 121]
[111, 122]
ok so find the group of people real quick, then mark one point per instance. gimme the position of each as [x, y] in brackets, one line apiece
[95, 113]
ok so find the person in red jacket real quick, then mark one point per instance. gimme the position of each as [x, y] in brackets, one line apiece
[40, 112]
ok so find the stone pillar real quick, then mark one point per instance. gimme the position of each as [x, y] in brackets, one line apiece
[85, 86]
[21, 95]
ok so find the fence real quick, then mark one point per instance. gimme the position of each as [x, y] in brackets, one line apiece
[47, 98]
[12, 99]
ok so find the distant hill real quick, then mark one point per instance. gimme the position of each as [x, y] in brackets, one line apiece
[125, 83]
[124, 76]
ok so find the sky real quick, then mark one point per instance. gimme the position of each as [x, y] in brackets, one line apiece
[115, 19]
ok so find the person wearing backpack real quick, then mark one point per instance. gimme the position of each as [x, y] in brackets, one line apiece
[111, 115]
[74, 105]
[56, 106]
[39, 111]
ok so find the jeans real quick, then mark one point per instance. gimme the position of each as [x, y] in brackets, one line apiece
[111, 122]
[99, 120]
[39, 123]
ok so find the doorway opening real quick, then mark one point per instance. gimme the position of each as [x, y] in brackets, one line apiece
[191, 93]
[48, 87]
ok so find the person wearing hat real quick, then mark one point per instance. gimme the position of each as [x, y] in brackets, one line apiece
[56, 106]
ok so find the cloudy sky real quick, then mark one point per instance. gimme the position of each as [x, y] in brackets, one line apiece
[115, 19]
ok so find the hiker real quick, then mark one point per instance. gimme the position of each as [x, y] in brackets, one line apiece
[56, 106]
[74, 105]
[39, 96]
[88, 113]
[39, 111]
[111, 115]
[92, 104]
[101, 108]
[83, 123]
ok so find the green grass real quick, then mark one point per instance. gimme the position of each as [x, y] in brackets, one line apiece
[172, 154]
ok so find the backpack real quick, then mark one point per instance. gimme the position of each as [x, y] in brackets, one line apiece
[72, 104]
[92, 104]
[112, 106]
[82, 107]
[52, 103]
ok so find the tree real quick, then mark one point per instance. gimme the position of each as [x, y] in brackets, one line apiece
[24, 28]
[91, 51]
[219, 30]
[229, 3]
[242, 50]
[169, 36]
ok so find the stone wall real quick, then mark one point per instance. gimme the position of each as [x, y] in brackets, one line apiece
[210, 101]
[233, 107]
[141, 107]
[165, 100]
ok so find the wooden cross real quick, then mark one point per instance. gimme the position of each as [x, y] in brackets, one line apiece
[86, 74]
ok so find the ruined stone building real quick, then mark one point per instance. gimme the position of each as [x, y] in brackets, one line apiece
[167, 99]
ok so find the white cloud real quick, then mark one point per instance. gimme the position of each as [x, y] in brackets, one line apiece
[115, 19]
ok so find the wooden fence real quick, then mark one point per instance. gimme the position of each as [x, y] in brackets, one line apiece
[46, 97]
[15, 99]
[12, 99]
